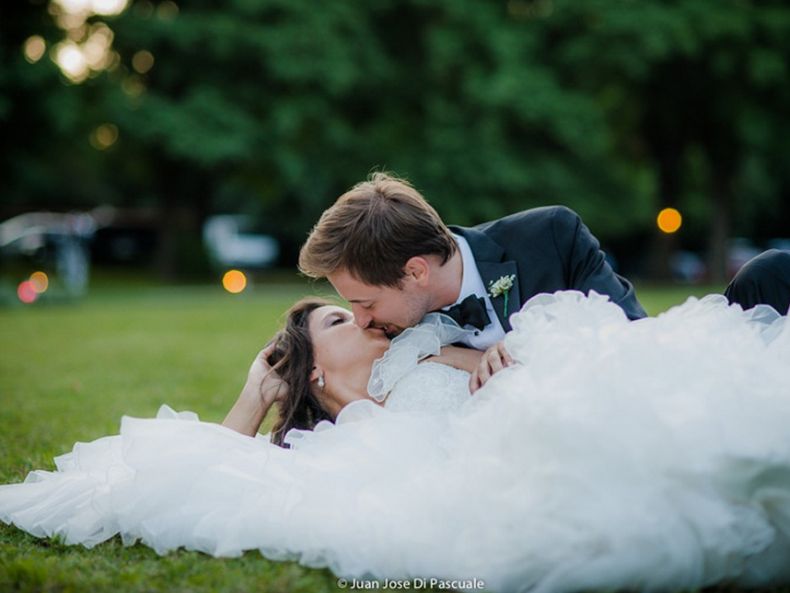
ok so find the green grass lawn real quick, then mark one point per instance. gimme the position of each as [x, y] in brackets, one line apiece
[69, 371]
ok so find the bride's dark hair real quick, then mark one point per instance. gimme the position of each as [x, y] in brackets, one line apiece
[292, 359]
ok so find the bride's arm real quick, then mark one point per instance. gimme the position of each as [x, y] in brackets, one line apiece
[262, 389]
[465, 359]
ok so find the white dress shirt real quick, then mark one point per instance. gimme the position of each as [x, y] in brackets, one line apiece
[472, 284]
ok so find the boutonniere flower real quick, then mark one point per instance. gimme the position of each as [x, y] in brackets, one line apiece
[501, 288]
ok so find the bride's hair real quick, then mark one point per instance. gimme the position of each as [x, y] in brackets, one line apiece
[292, 359]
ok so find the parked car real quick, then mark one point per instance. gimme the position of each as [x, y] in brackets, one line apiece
[57, 242]
[783, 244]
[230, 242]
[739, 251]
[687, 267]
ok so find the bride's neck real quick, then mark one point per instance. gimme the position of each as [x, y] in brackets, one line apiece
[350, 386]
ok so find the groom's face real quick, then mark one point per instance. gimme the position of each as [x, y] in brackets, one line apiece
[384, 307]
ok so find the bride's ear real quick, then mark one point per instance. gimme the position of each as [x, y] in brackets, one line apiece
[317, 377]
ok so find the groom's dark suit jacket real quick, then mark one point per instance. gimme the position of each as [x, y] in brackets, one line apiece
[548, 249]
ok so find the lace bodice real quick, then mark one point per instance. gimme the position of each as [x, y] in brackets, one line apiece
[430, 387]
[404, 383]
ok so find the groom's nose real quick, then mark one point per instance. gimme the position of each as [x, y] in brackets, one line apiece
[361, 317]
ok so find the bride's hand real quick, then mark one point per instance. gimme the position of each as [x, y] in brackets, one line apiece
[263, 388]
[265, 382]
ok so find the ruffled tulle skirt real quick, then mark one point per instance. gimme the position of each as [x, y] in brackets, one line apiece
[643, 455]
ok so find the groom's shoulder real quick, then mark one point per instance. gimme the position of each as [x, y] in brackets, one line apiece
[544, 219]
[529, 235]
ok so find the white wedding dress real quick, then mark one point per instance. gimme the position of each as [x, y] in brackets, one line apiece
[650, 455]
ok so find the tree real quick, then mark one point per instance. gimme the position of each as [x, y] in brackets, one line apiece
[697, 89]
[274, 108]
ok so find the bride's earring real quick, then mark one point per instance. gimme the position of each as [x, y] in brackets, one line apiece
[321, 382]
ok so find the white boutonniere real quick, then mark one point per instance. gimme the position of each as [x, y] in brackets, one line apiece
[501, 288]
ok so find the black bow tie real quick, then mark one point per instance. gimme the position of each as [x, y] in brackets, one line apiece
[470, 311]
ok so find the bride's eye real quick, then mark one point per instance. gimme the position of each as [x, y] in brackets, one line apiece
[337, 320]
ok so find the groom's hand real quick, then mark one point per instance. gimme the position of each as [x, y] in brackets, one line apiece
[494, 360]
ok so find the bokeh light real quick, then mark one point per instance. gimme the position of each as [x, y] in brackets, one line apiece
[26, 292]
[133, 86]
[108, 7]
[144, 8]
[72, 62]
[143, 61]
[104, 136]
[167, 10]
[40, 281]
[87, 49]
[96, 48]
[103, 7]
[234, 281]
[669, 220]
[34, 48]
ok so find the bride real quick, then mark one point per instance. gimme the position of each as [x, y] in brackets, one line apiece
[322, 362]
[651, 454]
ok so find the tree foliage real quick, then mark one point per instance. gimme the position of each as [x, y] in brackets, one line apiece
[274, 107]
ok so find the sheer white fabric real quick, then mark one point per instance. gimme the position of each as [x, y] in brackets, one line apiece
[409, 348]
[615, 455]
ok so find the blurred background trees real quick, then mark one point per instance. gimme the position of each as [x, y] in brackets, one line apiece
[273, 108]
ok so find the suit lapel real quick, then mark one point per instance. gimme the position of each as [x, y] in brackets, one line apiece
[488, 257]
[491, 272]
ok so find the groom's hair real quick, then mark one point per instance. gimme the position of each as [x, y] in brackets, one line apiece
[372, 230]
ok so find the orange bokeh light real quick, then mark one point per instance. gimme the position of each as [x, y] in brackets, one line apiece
[669, 220]
[234, 281]
[26, 292]
[39, 281]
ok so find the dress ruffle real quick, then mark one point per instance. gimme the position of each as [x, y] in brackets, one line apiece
[409, 348]
[648, 455]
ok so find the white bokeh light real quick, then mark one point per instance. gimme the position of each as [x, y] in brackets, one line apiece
[74, 6]
[96, 48]
[89, 7]
[71, 60]
[88, 48]
[108, 7]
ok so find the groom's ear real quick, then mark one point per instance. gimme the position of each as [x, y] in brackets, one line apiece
[418, 270]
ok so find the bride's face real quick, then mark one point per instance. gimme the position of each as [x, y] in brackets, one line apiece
[341, 346]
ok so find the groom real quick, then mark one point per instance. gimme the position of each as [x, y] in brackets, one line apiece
[386, 251]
